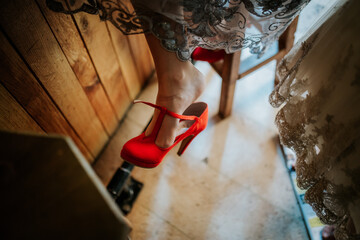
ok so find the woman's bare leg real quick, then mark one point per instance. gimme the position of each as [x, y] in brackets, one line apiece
[180, 84]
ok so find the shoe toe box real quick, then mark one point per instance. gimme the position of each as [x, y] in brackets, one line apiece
[142, 152]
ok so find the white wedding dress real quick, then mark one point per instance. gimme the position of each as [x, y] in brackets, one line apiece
[319, 96]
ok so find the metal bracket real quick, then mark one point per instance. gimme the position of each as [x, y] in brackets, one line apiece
[124, 188]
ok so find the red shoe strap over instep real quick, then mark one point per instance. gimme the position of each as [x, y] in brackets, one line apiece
[163, 112]
[175, 115]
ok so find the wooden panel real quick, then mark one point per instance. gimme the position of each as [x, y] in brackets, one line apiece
[49, 191]
[25, 88]
[13, 116]
[24, 24]
[99, 45]
[142, 56]
[126, 61]
[72, 45]
[140, 52]
[229, 76]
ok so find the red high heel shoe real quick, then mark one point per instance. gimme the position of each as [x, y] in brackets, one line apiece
[142, 150]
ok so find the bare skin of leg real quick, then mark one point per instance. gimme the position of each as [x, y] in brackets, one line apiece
[180, 84]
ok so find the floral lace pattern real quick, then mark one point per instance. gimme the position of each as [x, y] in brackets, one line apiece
[320, 117]
[183, 25]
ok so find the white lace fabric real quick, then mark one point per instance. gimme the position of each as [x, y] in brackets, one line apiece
[319, 96]
[183, 25]
[218, 24]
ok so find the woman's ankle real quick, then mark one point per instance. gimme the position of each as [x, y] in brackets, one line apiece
[179, 88]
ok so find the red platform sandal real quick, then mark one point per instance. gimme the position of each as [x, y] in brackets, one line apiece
[142, 150]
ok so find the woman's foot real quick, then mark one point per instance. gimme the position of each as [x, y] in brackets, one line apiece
[178, 89]
[180, 84]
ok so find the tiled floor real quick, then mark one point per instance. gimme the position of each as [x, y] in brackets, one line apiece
[229, 184]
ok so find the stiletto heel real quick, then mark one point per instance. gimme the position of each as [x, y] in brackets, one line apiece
[184, 144]
[142, 150]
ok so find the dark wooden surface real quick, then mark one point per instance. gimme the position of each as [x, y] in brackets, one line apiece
[49, 191]
[13, 116]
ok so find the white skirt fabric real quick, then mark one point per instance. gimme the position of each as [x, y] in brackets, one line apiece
[319, 96]
[183, 25]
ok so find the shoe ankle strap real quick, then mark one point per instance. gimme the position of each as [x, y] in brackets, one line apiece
[175, 115]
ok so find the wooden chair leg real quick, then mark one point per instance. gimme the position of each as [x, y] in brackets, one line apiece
[229, 76]
[286, 41]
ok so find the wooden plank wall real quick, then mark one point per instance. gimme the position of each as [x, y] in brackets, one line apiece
[71, 75]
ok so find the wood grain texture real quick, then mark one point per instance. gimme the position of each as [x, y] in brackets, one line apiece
[140, 51]
[13, 117]
[49, 191]
[73, 47]
[100, 47]
[142, 56]
[126, 61]
[22, 84]
[24, 24]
